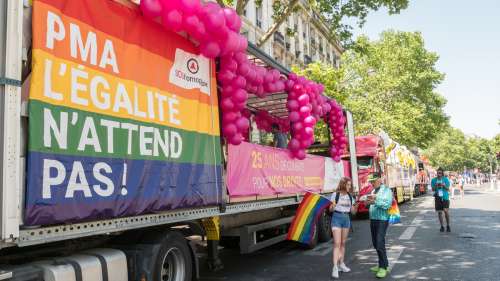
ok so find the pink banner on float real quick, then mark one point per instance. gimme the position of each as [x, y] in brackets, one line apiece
[260, 170]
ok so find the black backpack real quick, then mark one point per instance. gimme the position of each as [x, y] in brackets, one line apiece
[337, 196]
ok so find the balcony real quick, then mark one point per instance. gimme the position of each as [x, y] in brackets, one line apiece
[287, 46]
[297, 54]
[307, 59]
[313, 42]
[279, 38]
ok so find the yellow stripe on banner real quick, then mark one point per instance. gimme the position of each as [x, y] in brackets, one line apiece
[65, 83]
[303, 219]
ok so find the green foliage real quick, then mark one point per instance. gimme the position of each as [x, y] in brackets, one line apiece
[334, 12]
[455, 151]
[388, 85]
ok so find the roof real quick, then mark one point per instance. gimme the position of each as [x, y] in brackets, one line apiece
[367, 145]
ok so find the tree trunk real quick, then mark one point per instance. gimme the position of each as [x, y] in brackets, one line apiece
[240, 6]
[286, 13]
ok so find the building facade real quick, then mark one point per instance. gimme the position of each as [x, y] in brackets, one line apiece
[311, 40]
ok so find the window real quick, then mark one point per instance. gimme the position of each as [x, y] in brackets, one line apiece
[365, 162]
[258, 16]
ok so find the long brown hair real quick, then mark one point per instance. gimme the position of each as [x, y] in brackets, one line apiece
[344, 185]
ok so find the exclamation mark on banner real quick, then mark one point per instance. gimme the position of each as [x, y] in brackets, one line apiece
[124, 190]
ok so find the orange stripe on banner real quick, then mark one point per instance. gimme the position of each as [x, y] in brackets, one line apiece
[299, 214]
[134, 62]
[303, 219]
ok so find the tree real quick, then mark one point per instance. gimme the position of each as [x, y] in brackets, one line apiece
[454, 151]
[449, 151]
[334, 13]
[388, 85]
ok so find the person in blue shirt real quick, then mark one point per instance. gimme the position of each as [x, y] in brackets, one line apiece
[380, 201]
[441, 187]
[279, 139]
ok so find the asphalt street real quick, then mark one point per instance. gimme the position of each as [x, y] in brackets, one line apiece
[416, 248]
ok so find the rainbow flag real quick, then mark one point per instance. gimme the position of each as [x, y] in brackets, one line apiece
[302, 228]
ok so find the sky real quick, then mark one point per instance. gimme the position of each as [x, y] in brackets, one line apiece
[466, 36]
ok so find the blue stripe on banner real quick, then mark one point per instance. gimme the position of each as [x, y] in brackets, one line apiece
[88, 188]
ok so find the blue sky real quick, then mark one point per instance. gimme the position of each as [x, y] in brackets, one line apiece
[466, 35]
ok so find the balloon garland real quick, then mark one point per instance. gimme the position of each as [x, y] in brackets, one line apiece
[217, 30]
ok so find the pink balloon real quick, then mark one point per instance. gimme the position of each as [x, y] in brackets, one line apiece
[240, 95]
[236, 139]
[292, 105]
[242, 43]
[229, 117]
[233, 21]
[227, 104]
[240, 57]
[294, 145]
[191, 23]
[190, 6]
[308, 131]
[242, 123]
[225, 76]
[297, 87]
[289, 85]
[172, 20]
[229, 129]
[151, 8]
[309, 121]
[304, 111]
[247, 113]
[300, 154]
[210, 49]
[260, 92]
[243, 69]
[268, 78]
[239, 82]
[303, 99]
[240, 105]
[298, 126]
[336, 159]
[294, 116]
[292, 76]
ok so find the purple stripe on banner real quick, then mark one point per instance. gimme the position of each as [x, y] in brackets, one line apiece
[86, 188]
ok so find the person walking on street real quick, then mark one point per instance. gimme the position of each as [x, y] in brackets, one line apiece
[461, 183]
[441, 186]
[453, 186]
[380, 201]
[342, 205]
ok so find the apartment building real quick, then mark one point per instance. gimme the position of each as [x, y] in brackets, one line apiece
[310, 41]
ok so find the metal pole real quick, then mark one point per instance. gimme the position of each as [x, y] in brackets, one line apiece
[11, 23]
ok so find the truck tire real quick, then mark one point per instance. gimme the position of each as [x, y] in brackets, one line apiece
[173, 262]
[324, 229]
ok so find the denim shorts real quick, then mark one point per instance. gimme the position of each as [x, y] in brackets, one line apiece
[341, 220]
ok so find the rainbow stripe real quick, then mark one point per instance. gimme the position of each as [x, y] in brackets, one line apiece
[311, 207]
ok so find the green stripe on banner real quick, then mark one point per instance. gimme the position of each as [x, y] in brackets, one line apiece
[89, 134]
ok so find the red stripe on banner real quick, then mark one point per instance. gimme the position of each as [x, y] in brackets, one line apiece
[96, 13]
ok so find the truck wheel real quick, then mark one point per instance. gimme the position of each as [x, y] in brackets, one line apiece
[173, 262]
[324, 229]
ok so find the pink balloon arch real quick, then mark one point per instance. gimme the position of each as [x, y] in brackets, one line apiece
[217, 29]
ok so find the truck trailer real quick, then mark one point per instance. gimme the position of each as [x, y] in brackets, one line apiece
[112, 162]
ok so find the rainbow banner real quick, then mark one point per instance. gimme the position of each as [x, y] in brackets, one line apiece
[308, 213]
[123, 116]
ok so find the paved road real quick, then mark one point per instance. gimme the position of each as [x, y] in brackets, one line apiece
[416, 248]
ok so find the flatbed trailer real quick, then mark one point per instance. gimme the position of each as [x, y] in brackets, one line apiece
[140, 245]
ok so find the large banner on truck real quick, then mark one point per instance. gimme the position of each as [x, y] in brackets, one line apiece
[259, 170]
[123, 116]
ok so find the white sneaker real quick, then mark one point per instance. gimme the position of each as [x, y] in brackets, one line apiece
[335, 272]
[344, 268]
